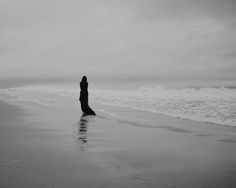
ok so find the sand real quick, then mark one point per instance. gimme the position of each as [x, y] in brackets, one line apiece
[120, 147]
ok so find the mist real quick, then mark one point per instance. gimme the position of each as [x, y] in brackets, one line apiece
[139, 39]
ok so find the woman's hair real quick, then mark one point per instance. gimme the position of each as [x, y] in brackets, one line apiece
[84, 79]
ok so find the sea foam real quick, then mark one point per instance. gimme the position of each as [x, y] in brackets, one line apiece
[214, 105]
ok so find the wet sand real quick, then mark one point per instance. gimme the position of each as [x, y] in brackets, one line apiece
[56, 147]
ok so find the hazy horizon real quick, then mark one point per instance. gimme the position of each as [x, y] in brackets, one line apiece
[132, 39]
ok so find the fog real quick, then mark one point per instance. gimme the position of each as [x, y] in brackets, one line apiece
[161, 39]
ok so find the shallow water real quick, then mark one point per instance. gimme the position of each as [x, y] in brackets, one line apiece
[205, 104]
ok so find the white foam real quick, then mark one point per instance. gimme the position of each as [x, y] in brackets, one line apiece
[215, 105]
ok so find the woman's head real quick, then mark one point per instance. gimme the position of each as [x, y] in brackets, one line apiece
[84, 79]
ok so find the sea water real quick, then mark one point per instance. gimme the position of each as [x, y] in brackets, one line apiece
[202, 103]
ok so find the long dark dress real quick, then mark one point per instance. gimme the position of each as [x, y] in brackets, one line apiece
[84, 99]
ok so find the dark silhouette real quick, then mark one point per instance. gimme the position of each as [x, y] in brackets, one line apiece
[84, 97]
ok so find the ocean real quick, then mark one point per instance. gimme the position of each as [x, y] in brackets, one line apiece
[209, 102]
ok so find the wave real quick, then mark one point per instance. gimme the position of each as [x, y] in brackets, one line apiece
[214, 105]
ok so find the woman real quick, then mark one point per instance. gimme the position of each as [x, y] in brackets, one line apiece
[84, 97]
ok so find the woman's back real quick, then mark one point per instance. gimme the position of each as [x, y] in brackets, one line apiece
[84, 86]
[84, 97]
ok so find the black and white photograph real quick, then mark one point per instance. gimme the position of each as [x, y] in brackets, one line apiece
[117, 93]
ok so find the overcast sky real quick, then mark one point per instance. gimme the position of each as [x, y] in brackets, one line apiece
[118, 38]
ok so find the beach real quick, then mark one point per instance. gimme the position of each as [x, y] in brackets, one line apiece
[51, 146]
[118, 94]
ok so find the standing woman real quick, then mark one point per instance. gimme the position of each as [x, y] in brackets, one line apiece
[84, 97]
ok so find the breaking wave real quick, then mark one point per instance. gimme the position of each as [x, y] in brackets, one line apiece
[215, 105]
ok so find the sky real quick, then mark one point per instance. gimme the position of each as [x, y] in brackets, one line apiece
[161, 39]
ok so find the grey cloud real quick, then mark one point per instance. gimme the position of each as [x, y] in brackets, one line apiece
[114, 38]
[158, 9]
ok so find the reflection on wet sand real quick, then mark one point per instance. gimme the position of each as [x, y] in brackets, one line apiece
[83, 129]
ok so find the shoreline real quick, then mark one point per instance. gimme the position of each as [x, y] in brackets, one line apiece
[152, 117]
[211, 105]
[20, 103]
[162, 114]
